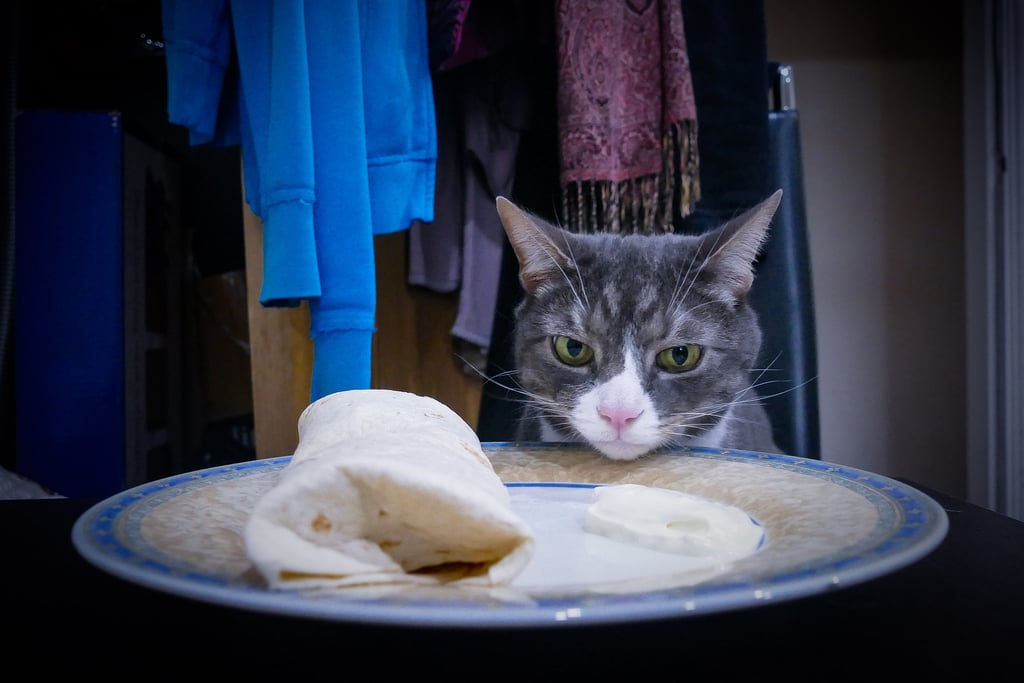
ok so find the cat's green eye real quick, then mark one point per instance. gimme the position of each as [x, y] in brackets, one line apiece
[571, 351]
[680, 358]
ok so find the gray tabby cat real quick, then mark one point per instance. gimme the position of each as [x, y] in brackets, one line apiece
[632, 343]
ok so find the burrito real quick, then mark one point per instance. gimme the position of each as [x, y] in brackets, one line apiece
[386, 487]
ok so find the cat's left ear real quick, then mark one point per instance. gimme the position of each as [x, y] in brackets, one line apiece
[733, 248]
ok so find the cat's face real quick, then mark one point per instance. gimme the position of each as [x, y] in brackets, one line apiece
[634, 342]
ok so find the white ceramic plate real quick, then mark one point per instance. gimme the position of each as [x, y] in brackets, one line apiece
[826, 527]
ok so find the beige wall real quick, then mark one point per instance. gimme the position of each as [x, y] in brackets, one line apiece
[879, 95]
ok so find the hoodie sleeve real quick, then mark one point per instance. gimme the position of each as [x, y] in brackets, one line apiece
[197, 40]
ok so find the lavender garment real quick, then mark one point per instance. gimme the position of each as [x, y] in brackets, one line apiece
[480, 118]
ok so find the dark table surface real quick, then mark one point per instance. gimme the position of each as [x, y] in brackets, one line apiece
[957, 612]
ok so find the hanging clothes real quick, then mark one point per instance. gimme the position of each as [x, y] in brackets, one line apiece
[481, 109]
[627, 117]
[332, 104]
[483, 101]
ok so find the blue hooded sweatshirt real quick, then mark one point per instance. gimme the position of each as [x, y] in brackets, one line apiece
[332, 104]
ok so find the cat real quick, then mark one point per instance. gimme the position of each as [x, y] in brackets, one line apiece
[634, 343]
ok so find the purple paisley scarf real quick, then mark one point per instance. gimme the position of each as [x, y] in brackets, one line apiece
[626, 115]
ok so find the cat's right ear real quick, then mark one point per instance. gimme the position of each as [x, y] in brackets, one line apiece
[540, 247]
[735, 246]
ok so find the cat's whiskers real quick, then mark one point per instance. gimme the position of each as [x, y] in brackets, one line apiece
[689, 426]
[493, 379]
[673, 302]
[741, 398]
[676, 300]
[759, 382]
[580, 293]
[514, 388]
[794, 387]
[690, 311]
[552, 413]
[720, 410]
[564, 421]
[548, 408]
[682, 433]
[584, 301]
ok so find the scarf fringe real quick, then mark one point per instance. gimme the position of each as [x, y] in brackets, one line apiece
[643, 205]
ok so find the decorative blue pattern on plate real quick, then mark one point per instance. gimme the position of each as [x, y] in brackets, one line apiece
[827, 526]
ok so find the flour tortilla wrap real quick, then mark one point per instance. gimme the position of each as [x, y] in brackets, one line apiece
[386, 488]
[345, 415]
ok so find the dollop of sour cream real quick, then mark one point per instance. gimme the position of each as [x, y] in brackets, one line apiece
[673, 522]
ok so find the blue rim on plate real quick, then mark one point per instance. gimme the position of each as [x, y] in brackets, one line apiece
[804, 504]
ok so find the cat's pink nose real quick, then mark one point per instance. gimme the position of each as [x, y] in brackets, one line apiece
[619, 416]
